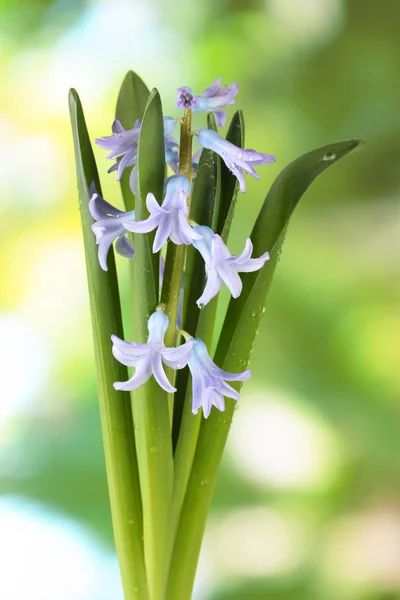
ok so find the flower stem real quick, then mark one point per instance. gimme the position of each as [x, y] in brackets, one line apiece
[175, 260]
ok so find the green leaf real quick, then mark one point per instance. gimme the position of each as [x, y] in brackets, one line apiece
[150, 402]
[132, 100]
[115, 408]
[229, 183]
[233, 351]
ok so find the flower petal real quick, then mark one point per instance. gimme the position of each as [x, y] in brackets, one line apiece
[142, 374]
[231, 278]
[100, 208]
[220, 117]
[152, 205]
[159, 374]
[141, 226]
[177, 358]
[212, 89]
[212, 287]
[253, 264]
[163, 231]
[124, 247]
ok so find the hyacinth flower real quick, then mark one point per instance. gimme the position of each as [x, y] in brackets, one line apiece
[212, 99]
[236, 159]
[123, 145]
[170, 219]
[162, 461]
[222, 266]
[148, 358]
[209, 381]
[109, 227]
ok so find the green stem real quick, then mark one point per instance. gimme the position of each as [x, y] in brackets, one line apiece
[176, 255]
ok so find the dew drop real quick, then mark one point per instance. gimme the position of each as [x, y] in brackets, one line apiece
[239, 155]
[201, 306]
[254, 314]
[203, 482]
[329, 156]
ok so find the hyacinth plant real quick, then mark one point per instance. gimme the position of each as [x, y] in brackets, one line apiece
[166, 420]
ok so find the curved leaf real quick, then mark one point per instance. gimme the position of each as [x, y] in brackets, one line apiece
[233, 351]
[115, 408]
[150, 402]
[229, 183]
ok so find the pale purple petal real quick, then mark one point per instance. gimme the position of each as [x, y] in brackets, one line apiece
[142, 226]
[245, 255]
[253, 264]
[157, 326]
[217, 400]
[207, 403]
[219, 251]
[159, 374]
[186, 231]
[213, 285]
[220, 117]
[104, 243]
[212, 89]
[217, 372]
[142, 374]
[177, 358]
[124, 247]
[163, 232]
[198, 391]
[227, 390]
[152, 205]
[117, 127]
[231, 279]
[100, 208]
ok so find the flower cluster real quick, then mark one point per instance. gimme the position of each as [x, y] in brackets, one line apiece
[208, 381]
[170, 220]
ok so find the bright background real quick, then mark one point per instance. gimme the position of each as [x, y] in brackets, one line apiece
[307, 504]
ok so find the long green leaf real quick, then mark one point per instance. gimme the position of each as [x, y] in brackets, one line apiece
[115, 407]
[131, 103]
[229, 183]
[233, 352]
[150, 402]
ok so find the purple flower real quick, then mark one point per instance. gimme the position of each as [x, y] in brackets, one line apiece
[185, 98]
[172, 153]
[170, 219]
[222, 266]
[236, 159]
[209, 381]
[148, 358]
[110, 226]
[123, 144]
[211, 99]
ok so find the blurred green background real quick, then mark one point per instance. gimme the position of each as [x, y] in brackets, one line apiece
[307, 505]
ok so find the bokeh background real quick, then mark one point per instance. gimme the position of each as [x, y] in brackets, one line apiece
[307, 505]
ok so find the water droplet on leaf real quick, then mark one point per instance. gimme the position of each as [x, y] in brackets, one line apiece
[329, 156]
